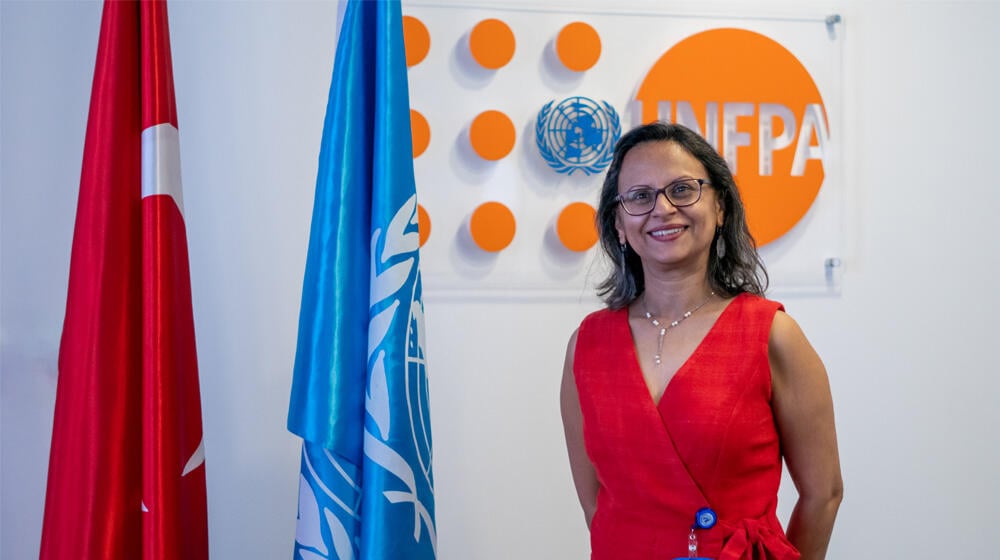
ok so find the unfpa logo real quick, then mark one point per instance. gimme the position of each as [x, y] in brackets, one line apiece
[510, 130]
[756, 103]
[577, 134]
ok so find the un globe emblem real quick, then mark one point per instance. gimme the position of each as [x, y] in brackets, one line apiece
[417, 394]
[577, 134]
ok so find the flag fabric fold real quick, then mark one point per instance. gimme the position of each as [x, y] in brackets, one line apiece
[359, 393]
[126, 466]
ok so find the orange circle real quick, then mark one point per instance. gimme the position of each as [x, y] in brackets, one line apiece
[416, 40]
[492, 135]
[492, 43]
[778, 174]
[492, 226]
[420, 132]
[423, 224]
[576, 227]
[578, 46]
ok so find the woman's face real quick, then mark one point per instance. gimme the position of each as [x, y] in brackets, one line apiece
[667, 235]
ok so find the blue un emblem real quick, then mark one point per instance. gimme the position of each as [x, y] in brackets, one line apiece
[578, 133]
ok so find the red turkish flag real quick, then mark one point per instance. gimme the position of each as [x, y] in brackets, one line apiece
[126, 466]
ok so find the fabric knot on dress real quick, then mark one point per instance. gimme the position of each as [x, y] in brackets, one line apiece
[755, 539]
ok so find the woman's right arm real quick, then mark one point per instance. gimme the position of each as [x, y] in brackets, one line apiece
[584, 476]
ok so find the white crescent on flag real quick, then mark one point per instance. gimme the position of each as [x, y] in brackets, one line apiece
[161, 163]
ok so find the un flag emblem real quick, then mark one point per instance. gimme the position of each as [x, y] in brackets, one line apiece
[578, 133]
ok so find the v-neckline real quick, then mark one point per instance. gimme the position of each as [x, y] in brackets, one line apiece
[641, 376]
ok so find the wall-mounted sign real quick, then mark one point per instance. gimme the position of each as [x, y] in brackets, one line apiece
[516, 112]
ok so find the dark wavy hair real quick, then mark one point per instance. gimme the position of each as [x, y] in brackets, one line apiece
[739, 270]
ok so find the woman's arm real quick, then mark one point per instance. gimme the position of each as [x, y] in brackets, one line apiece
[804, 412]
[584, 476]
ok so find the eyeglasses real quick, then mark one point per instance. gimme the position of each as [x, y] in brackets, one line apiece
[640, 201]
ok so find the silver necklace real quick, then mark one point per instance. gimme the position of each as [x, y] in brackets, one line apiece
[658, 358]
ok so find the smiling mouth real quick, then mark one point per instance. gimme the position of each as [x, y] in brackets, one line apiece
[667, 232]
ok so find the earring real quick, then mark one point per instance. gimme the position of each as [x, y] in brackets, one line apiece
[720, 244]
[621, 256]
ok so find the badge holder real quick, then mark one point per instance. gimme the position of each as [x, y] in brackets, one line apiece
[704, 519]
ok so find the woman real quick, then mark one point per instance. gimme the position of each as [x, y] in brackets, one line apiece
[681, 398]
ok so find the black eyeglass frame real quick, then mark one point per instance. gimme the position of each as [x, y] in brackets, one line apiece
[657, 192]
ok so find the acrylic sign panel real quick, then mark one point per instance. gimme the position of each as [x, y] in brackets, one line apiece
[515, 112]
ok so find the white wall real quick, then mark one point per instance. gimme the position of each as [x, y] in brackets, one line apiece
[907, 343]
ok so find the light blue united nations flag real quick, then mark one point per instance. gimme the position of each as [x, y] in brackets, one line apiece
[578, 133]
[359, 392]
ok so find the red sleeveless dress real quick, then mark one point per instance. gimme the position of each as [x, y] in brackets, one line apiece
[710, 442]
